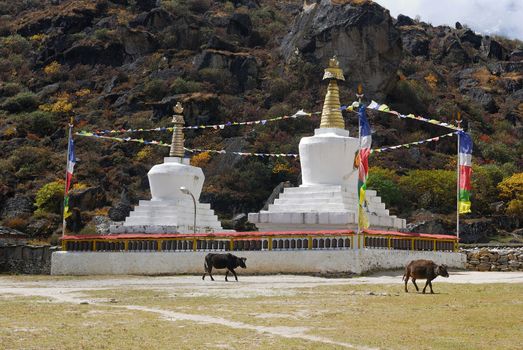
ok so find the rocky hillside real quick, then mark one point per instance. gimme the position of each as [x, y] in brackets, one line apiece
[125, 63]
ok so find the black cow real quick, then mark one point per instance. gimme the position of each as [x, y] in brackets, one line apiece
[424, 269]
[223, 261]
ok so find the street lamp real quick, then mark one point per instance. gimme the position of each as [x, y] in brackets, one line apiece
[186, 191]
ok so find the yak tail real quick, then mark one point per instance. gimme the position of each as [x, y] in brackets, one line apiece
[205, 267]
[404, 275]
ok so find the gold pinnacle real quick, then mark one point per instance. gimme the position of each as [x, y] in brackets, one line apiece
[177, 144]
[331, 115]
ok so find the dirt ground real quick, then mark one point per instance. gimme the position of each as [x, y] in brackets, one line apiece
[84, 289]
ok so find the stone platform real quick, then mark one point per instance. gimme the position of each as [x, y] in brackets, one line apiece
[169, 216]
[322, 207]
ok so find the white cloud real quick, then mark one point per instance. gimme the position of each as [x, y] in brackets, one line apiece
[502, 17]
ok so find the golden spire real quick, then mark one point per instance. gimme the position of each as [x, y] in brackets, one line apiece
[331, 115]
[177, 143]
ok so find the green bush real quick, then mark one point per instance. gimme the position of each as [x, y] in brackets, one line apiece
[23, 101]
[10, 89]
[39, 122]
[156, 89]
[429, 189]
[16, 44]
[49, 198]
[385, 182]
[499, 152]
[29, 162]
[181, 86]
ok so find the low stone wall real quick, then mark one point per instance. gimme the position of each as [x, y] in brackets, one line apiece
[26, 259]
[494, 259]
[286, 261]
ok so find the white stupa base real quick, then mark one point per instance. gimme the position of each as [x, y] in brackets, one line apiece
[173, 216]
[322, 207]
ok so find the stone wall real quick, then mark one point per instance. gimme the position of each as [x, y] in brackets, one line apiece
[494, 259]
[26, 259]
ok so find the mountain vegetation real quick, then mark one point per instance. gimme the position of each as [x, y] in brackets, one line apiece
[123, 64]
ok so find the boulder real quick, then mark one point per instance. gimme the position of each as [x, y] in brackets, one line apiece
[458, 25]
[484, 98]
[87, 199]
[137, 42]
[217, 43]
[146, 5]
[362, 37]
[468, 36]
[17, 206]
[242, 66]
[122, 209]
[415, 41]
[516, 56]
[476, 232]
[240, 24]
[157, 19]
[493, 49]
[404, 21]
[110, 54]
[454, 53]
[74, 222]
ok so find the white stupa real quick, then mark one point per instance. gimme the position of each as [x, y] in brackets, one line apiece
[171, 208]
[328, 196]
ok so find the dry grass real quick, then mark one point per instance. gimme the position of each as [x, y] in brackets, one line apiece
[475, 316]
[459, 316]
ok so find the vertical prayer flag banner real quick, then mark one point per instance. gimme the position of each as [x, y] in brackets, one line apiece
[71, 161]
[363, 169]
[465, 171]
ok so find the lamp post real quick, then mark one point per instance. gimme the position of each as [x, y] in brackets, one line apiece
[186, 191]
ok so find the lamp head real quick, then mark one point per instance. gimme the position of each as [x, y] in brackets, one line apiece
[184, 190]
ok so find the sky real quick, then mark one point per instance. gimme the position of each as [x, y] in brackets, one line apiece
[501, 17]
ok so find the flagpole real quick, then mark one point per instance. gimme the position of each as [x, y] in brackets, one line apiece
[458, 180]
[359, 95]
[66, 163]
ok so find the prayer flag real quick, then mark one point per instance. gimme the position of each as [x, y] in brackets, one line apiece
[465, 171]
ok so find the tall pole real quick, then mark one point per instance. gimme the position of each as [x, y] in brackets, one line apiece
[66, 166]
[194, 203]
[359, 95]
[458, 180]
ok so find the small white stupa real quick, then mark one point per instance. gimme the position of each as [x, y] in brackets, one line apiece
[328, 196]
[174, 184]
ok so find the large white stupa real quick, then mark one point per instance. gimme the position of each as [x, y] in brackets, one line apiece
[175, 190]
[328, 195]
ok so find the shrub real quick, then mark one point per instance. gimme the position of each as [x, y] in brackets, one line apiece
[16, 223]
[511, 190]
[156, 89]
[23, 101]
[16, 44]
[181, 86]
[39, 122]
[201, 160]
[144, 154]
[498, 152]
[10, 89]
[430, 189]
[199, 6]
[52, 68]
[29, 161]
[385, 182]
[49, 198]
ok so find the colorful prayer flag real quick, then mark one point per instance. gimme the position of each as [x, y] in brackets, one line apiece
[71, 161]
[363, 169]
[465, 171]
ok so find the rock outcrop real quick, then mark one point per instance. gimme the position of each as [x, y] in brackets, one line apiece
[362, 37]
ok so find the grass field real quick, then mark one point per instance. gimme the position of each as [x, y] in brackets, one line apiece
[220, 315]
